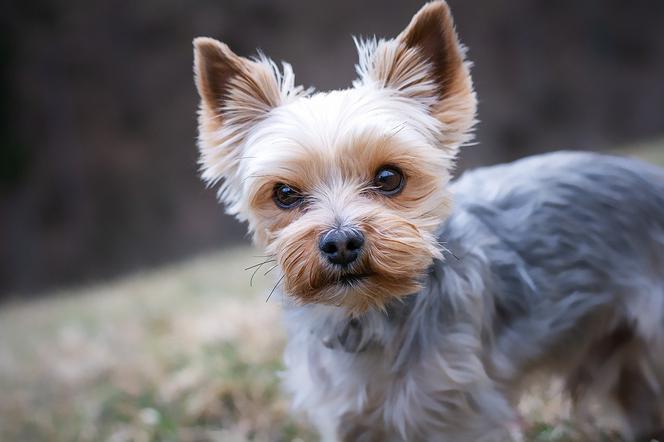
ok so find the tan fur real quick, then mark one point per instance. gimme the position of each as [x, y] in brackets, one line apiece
[390, 245]
[236, 93]
[427, 62]
[457, 104]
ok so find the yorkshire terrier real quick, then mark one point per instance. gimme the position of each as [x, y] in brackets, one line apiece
[411, 318]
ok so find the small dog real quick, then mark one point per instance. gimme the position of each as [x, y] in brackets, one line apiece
[409, 319]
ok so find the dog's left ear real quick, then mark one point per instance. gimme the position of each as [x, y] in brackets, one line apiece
[236, 94]
[426, 62]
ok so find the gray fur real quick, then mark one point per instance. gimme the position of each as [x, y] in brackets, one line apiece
[548, 259]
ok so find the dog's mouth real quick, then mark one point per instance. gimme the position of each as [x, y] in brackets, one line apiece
[350, 279]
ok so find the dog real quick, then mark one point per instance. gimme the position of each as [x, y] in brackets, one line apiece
[420, 308]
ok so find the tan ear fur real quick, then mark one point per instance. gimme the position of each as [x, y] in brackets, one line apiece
[223, 77]
[236, 93]
[426, 62]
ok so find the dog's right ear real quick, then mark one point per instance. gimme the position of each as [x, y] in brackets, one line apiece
[236, 93]
[426, 63]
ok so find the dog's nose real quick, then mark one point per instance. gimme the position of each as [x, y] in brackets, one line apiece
[341, 246]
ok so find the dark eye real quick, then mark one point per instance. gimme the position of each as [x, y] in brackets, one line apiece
[286, 196]
[389, 180]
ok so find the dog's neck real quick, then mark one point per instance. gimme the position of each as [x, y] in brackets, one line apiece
[357, 334]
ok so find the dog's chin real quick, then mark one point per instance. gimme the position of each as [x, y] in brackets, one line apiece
[350, 279]
[355, 292]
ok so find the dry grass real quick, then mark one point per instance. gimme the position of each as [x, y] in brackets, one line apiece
[185, 353]
[189, 352]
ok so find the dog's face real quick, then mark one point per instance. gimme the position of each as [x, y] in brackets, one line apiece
[345, 189]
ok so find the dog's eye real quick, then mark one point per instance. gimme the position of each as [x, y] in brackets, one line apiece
[389, 180]
[286, 196]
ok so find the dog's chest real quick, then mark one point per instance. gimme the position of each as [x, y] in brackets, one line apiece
[333, 384]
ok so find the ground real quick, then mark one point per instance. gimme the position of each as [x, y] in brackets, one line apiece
[188, 352]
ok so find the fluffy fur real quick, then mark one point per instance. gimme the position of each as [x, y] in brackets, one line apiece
[550, 265]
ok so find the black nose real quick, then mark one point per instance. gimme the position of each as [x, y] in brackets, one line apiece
[341, 246]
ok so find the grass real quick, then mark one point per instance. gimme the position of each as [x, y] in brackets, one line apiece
[189, 352]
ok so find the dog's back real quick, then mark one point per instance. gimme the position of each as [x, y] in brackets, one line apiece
[579, 223]
[575, 247]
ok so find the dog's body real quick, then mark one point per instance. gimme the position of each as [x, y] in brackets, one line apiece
[525, 287]
[409, 320]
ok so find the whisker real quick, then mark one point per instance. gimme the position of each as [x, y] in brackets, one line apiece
[275, 287]
[270, 269]
[260, 264]
[251, 280]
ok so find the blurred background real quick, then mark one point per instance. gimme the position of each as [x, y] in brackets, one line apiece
[98, 180]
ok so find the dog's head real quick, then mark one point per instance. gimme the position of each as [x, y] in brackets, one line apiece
[345, 188]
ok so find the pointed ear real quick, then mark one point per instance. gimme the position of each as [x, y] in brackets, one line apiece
[236, 93]
[223, 77]
[426, 62]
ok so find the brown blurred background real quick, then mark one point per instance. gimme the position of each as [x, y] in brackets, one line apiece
[98, 171]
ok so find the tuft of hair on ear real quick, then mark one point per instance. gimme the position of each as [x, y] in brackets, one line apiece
[236, 93]
[426, 62]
